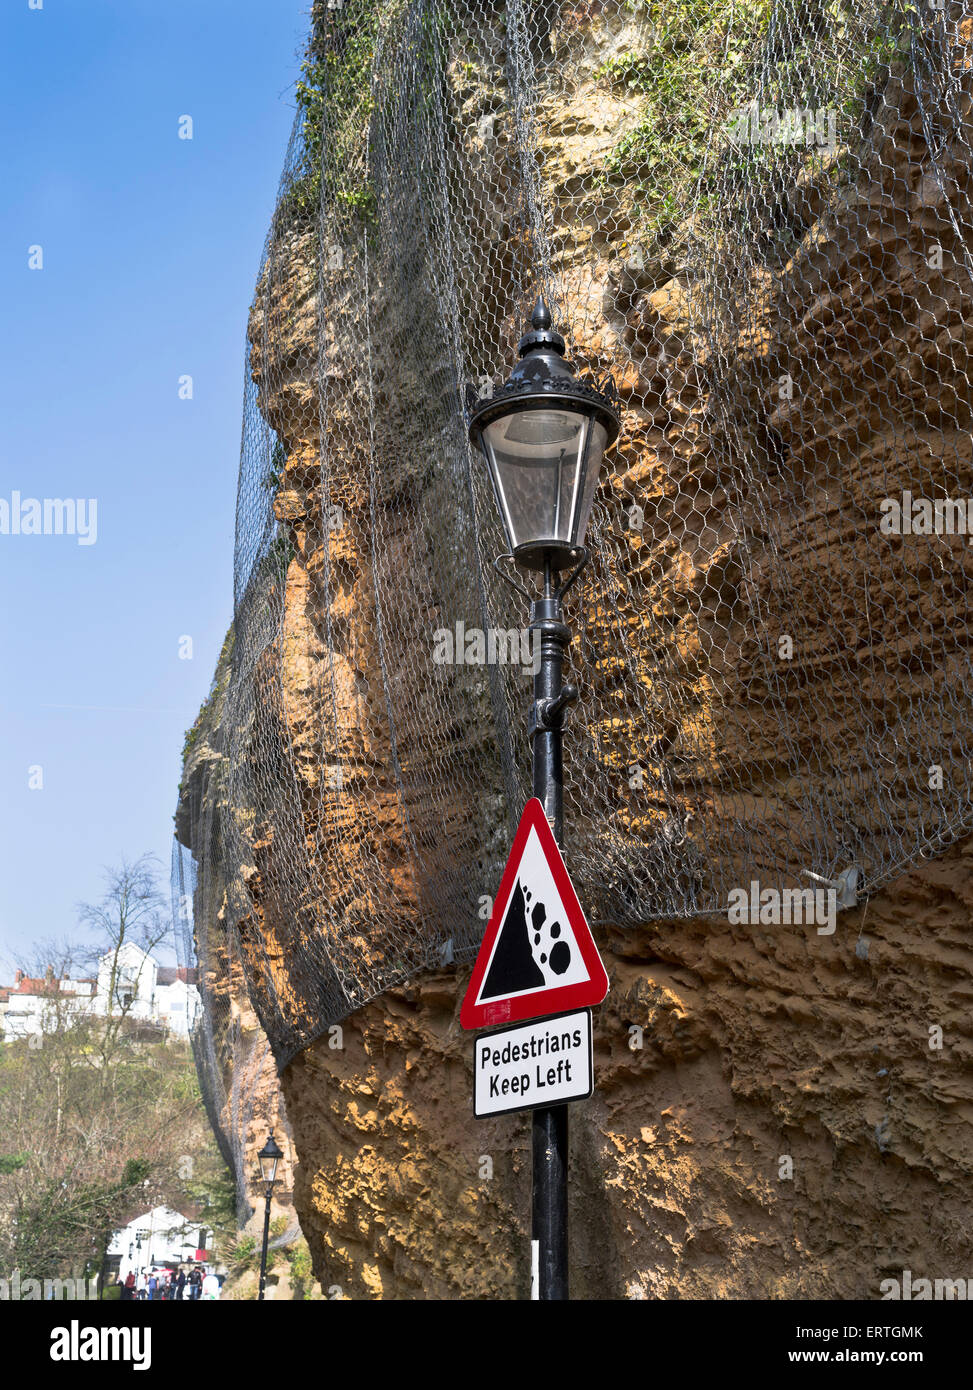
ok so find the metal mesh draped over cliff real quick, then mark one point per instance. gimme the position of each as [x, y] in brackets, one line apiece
[757, 217]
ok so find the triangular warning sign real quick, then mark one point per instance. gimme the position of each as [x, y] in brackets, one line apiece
[538, 956]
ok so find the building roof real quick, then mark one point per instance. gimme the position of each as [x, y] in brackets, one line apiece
[169, 974]
[49, 984]
[161, 1213]
[126, 950]
[26, 985]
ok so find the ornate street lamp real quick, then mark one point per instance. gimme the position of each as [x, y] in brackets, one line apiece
[269, 1156]
[543, 435]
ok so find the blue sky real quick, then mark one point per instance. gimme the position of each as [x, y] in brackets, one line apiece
[150, 247]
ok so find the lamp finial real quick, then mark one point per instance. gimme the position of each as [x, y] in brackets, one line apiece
[541, 336]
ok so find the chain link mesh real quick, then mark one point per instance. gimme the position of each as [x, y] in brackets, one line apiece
[231, 1052]
[756, 216]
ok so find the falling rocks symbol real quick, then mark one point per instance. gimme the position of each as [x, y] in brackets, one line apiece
[513, 967]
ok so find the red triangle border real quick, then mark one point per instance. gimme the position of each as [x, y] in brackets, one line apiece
[538, 1003]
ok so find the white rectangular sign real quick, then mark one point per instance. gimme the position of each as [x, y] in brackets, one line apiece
[544, 1062]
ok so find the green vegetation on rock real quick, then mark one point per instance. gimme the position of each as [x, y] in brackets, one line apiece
[217, 689]
[335, 102]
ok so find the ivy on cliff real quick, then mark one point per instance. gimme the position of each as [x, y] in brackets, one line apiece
[335, 102]
[706, 60]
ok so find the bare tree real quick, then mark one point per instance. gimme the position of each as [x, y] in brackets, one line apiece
[58, 954]
[99, 1123]
[132, 912]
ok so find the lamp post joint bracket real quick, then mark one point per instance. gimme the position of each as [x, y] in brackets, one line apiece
[547, 715]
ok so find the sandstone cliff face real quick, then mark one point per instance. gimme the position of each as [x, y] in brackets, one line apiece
[784, 1131]
[770, 1118]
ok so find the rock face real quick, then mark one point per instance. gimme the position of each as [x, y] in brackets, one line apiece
[783, 1125]
[779, 1112]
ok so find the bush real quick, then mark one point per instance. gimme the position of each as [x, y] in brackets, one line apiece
[243, 1253]
[302, 1273]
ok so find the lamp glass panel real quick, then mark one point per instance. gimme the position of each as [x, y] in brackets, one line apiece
[534, 457]
[589, 485]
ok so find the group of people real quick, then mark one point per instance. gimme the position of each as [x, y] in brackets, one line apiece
[165, 1284]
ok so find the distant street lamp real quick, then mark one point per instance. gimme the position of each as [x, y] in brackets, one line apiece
[543, 434]
[269, 1156]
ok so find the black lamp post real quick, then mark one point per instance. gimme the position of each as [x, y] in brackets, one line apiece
[269, 1157]
[543, 435]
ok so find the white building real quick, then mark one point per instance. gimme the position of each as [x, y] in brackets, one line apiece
[33, 1006]
[135, 973]
[144, 990]
[161, 1236]
[177, 1001]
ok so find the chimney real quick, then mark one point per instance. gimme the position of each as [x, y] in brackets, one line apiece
[49, 974]
[18, 977]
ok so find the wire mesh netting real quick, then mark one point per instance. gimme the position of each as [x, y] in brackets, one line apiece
[230, 1050]
[756, 216]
